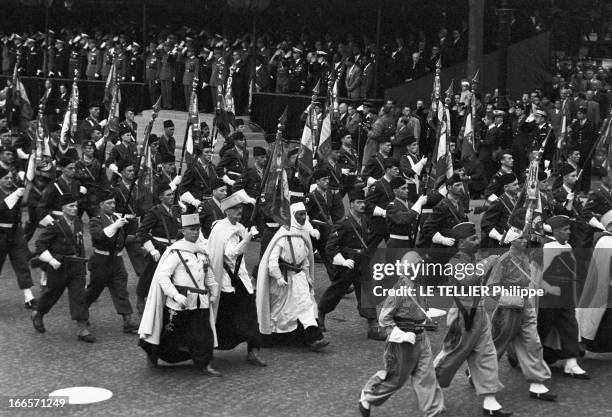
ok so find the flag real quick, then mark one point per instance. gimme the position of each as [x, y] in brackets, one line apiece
[468, 150]
[224, 119]
[332, 104]
[37, 148]
[306, 153]
[442, 161]
[112, 101]
[69, 126]
[193, 126]
[20, 97]
[276, 196]
[145, 179]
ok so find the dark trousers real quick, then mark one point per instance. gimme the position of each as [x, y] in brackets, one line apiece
[563, 320]
[237, 320]
[166, 93]
[343, 280]
[70, 275]
[13, 244]
[32, 223]
[319, 246]
[153, 91]
[133, 247]
[108, 272]
[144, 282]
[184, 329]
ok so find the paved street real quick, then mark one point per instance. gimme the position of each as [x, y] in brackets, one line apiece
[296, 382]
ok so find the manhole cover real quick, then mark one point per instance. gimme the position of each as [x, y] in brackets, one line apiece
[83, 395]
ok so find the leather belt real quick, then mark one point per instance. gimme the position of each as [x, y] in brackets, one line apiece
[427, 211]
[296, 194]
[106, 253]
[6, 225]
[272, 224]
[163, 240]
[399, 237]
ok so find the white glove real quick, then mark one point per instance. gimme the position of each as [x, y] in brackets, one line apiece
[103, 122]
[492, 198]
[547, 228]
[196, 202]
[399, 336]
[46, 221]
[315, 163]
[546, 163]
[14, 197]
[380, 212]
[180, 299]
[21, 154]
[570, 196]
[253, 231]
[114, 168]
[82, 190]
[345, 171]
[494, 234]
[21, 175]
[155, 255]
[120, 222]
[409, 337]
[55, 264]
[188, 198]
[596, 223]
[419, 204]
[349, 263]
[315, 234]
[418, 167]
[442, 240]
[176, 180]
[46, 257]
[371, 180]
[312, 188]
[228, 180]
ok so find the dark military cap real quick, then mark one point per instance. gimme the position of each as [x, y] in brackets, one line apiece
[463, 230]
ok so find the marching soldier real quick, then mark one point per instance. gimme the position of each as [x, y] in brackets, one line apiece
[402, 215]
[165, 175]
[167, 143]
[374, 168]
[234, 161]
[251, 180]
[470, 340]
[198, 181]
[211, 208]
[129, 206]
[325, 208]
[157, 231]
[85, 128]
[44, 174]
[380, 195]
[334, 169]
[494, 223]
[583, 137]
[106, 263]
[494, 188]
[125, 152]
[91, 174]
[94, 61]
[60, 253]
[411, 165]
[12, 242]
[349, 251]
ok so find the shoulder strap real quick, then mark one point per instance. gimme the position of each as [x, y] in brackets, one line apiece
[165, 226]
[178, 252]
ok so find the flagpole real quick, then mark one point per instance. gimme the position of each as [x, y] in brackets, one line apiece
[282, 120]
[194, 87]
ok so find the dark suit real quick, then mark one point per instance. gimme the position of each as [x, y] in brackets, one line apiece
[85, 128]
[233, 164]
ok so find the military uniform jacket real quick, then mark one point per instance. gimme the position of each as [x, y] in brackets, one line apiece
[401, 219]
[379, 195]
[9, 215]
[211, 212]
[41, 180]
[324, 209]
[444, 217]
[219, 72]
[584, 136]
[59, 64]
[537, 138]
[49, 200]
[298, 73]
[61, 241]
[494, 187]
[345, 238]
[99, 240]
[167, 66]
[85, 128]
[75, 63]
[496, 217]
[33, 62]
[198, 180]
[374, 167]
[91, 175]
[159, 222]
[250, 182]
[167, 144]
[233, 163]
[561, 272]
[191, 65]
[581, 232]
[348, 159]
[335, 174]
[134, 68]
[122, 152]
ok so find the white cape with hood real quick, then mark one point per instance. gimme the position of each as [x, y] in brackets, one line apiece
[278, 304]
[153, 316]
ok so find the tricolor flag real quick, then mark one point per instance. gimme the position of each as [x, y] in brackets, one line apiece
[69, 126]
[468, 150]
[276, 201]
[442, 161]
[20, 97]
[307, 143]
[112, 101]
[324, 147]
[193, 126]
